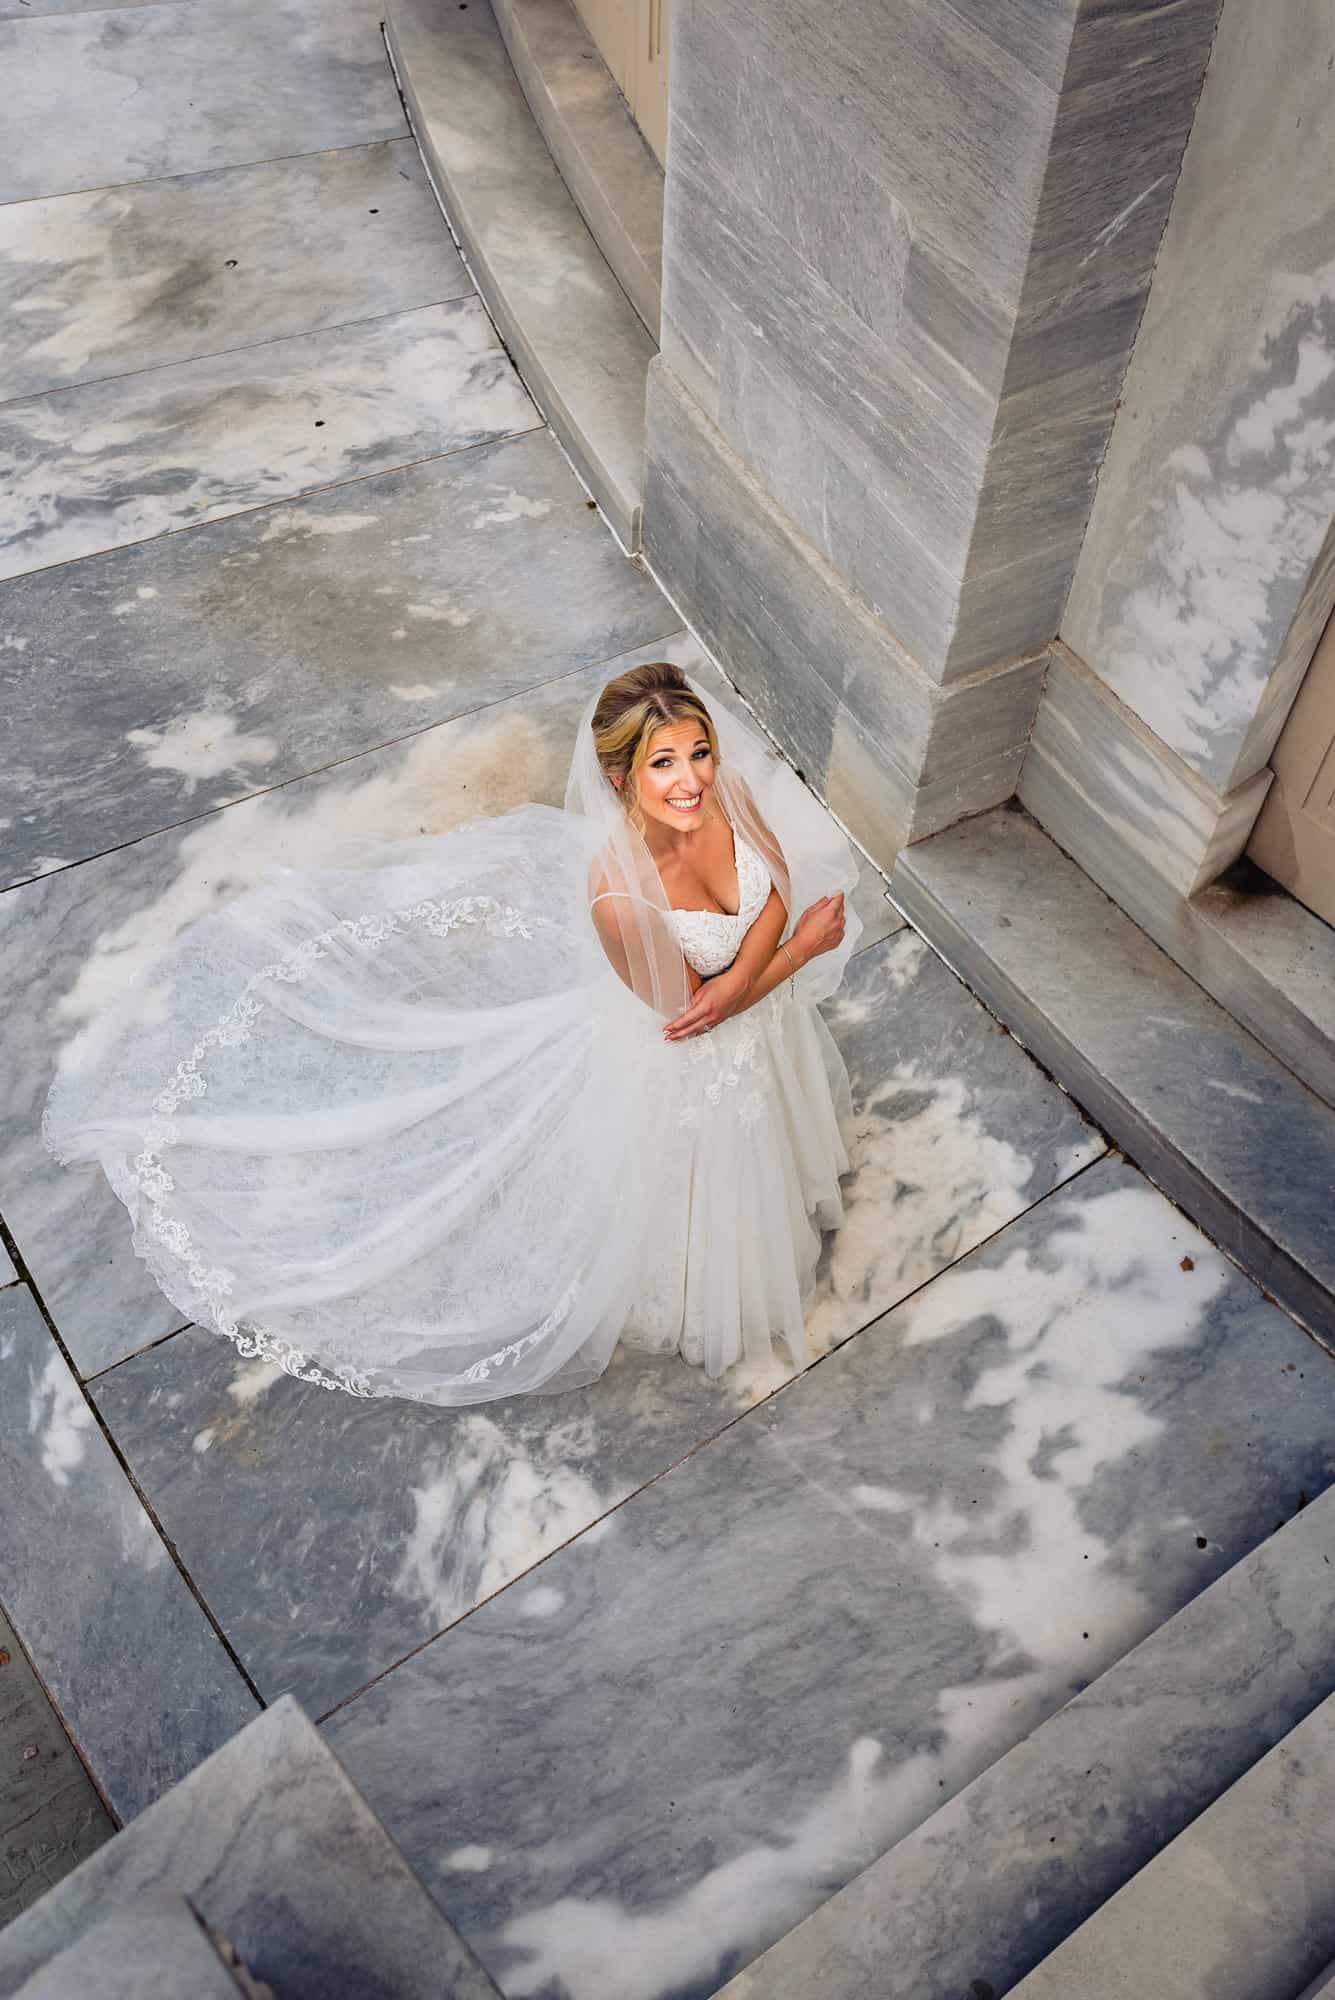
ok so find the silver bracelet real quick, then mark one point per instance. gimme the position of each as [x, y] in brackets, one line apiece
[792, 969]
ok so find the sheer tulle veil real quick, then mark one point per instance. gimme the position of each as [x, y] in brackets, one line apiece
[395, 1124]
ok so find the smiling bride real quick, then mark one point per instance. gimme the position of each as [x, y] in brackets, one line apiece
[450, 1117]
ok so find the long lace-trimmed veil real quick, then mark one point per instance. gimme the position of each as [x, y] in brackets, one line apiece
[392, 1126]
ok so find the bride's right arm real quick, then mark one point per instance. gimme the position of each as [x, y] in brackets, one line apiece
[607, 922]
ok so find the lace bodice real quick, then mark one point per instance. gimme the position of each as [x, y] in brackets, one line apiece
[710, 939]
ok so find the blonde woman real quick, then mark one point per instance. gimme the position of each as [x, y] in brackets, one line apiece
[450, 1119]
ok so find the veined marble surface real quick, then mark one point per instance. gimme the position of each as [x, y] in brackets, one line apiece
[107, 463]
[331, 1537]
[273, 1846]
[1218, 486]
[816, 1629]
[75, 941]
[178, 88]
[8, 1275]
[154, 683]
[131, 1662]
[140, 276]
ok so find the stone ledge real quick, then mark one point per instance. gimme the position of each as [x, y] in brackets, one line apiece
[1165, 1730]
[574, 335]
[273, 1845]
[616, 182]
[1226, 1130]
[1239, 1907]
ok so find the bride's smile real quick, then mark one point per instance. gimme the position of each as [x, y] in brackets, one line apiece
[677, 777]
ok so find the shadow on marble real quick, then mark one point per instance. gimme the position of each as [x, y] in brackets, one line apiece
[182, 88]
[820, 1627]
[107, 463]
[76, 941]
[157, 272]
[8, 1275]
[332, 1536]
[155, 683]
[136, 1671]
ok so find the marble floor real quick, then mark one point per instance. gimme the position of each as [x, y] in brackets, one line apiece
[639, 1675]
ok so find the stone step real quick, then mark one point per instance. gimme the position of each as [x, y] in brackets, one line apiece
[274, 1848]
[1241, 1906]
[1322, 1987]
[153, 1948]
[1227, 1130]
[573, 333]
[603, 160]
[1004, 1872]
[1271, 963]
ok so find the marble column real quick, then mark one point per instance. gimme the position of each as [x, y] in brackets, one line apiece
[1208, 569]
[906, 250]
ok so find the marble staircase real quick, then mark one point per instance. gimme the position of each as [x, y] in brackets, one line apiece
[613, 177]
[264, 1857]
[1034, 1858]
[1224, 1127]
[580, 345]
[1240, 1906]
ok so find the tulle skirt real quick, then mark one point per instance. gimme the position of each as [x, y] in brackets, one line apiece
[398, 1127]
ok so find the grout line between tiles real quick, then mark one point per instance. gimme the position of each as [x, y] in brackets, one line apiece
[151, 368]
[186, 173]
[168, 1544]
[704, 1444]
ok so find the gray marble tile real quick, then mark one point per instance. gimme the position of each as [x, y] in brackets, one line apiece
[107, 463]
[1007, 1868]
[1243, 1894]
[333, 1536]
[272, 1845]
[51, 1818]
[882, 743]
[817, 1629]
[180, 88]
[1222, 1125]
[138, 1674]
[154, 683]
[75, 940]
[140, 276]
[8, 1275]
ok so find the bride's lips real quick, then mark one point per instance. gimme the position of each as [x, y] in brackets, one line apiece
[684, 805]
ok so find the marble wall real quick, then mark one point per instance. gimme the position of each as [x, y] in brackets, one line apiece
[1205, 576]
[906, 250]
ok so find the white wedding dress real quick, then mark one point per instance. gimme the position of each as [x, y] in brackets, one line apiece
[752, 1161]
[398, 1126]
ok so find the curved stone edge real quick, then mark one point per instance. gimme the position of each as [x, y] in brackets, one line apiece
[572, 332]
[615, 181]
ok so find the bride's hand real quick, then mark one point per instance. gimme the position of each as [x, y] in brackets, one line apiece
[718, 999]
[819, 929]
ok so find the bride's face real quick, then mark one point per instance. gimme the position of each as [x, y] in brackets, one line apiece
[677, 776]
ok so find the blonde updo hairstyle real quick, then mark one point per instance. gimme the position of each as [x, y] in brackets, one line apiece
[630, 711]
